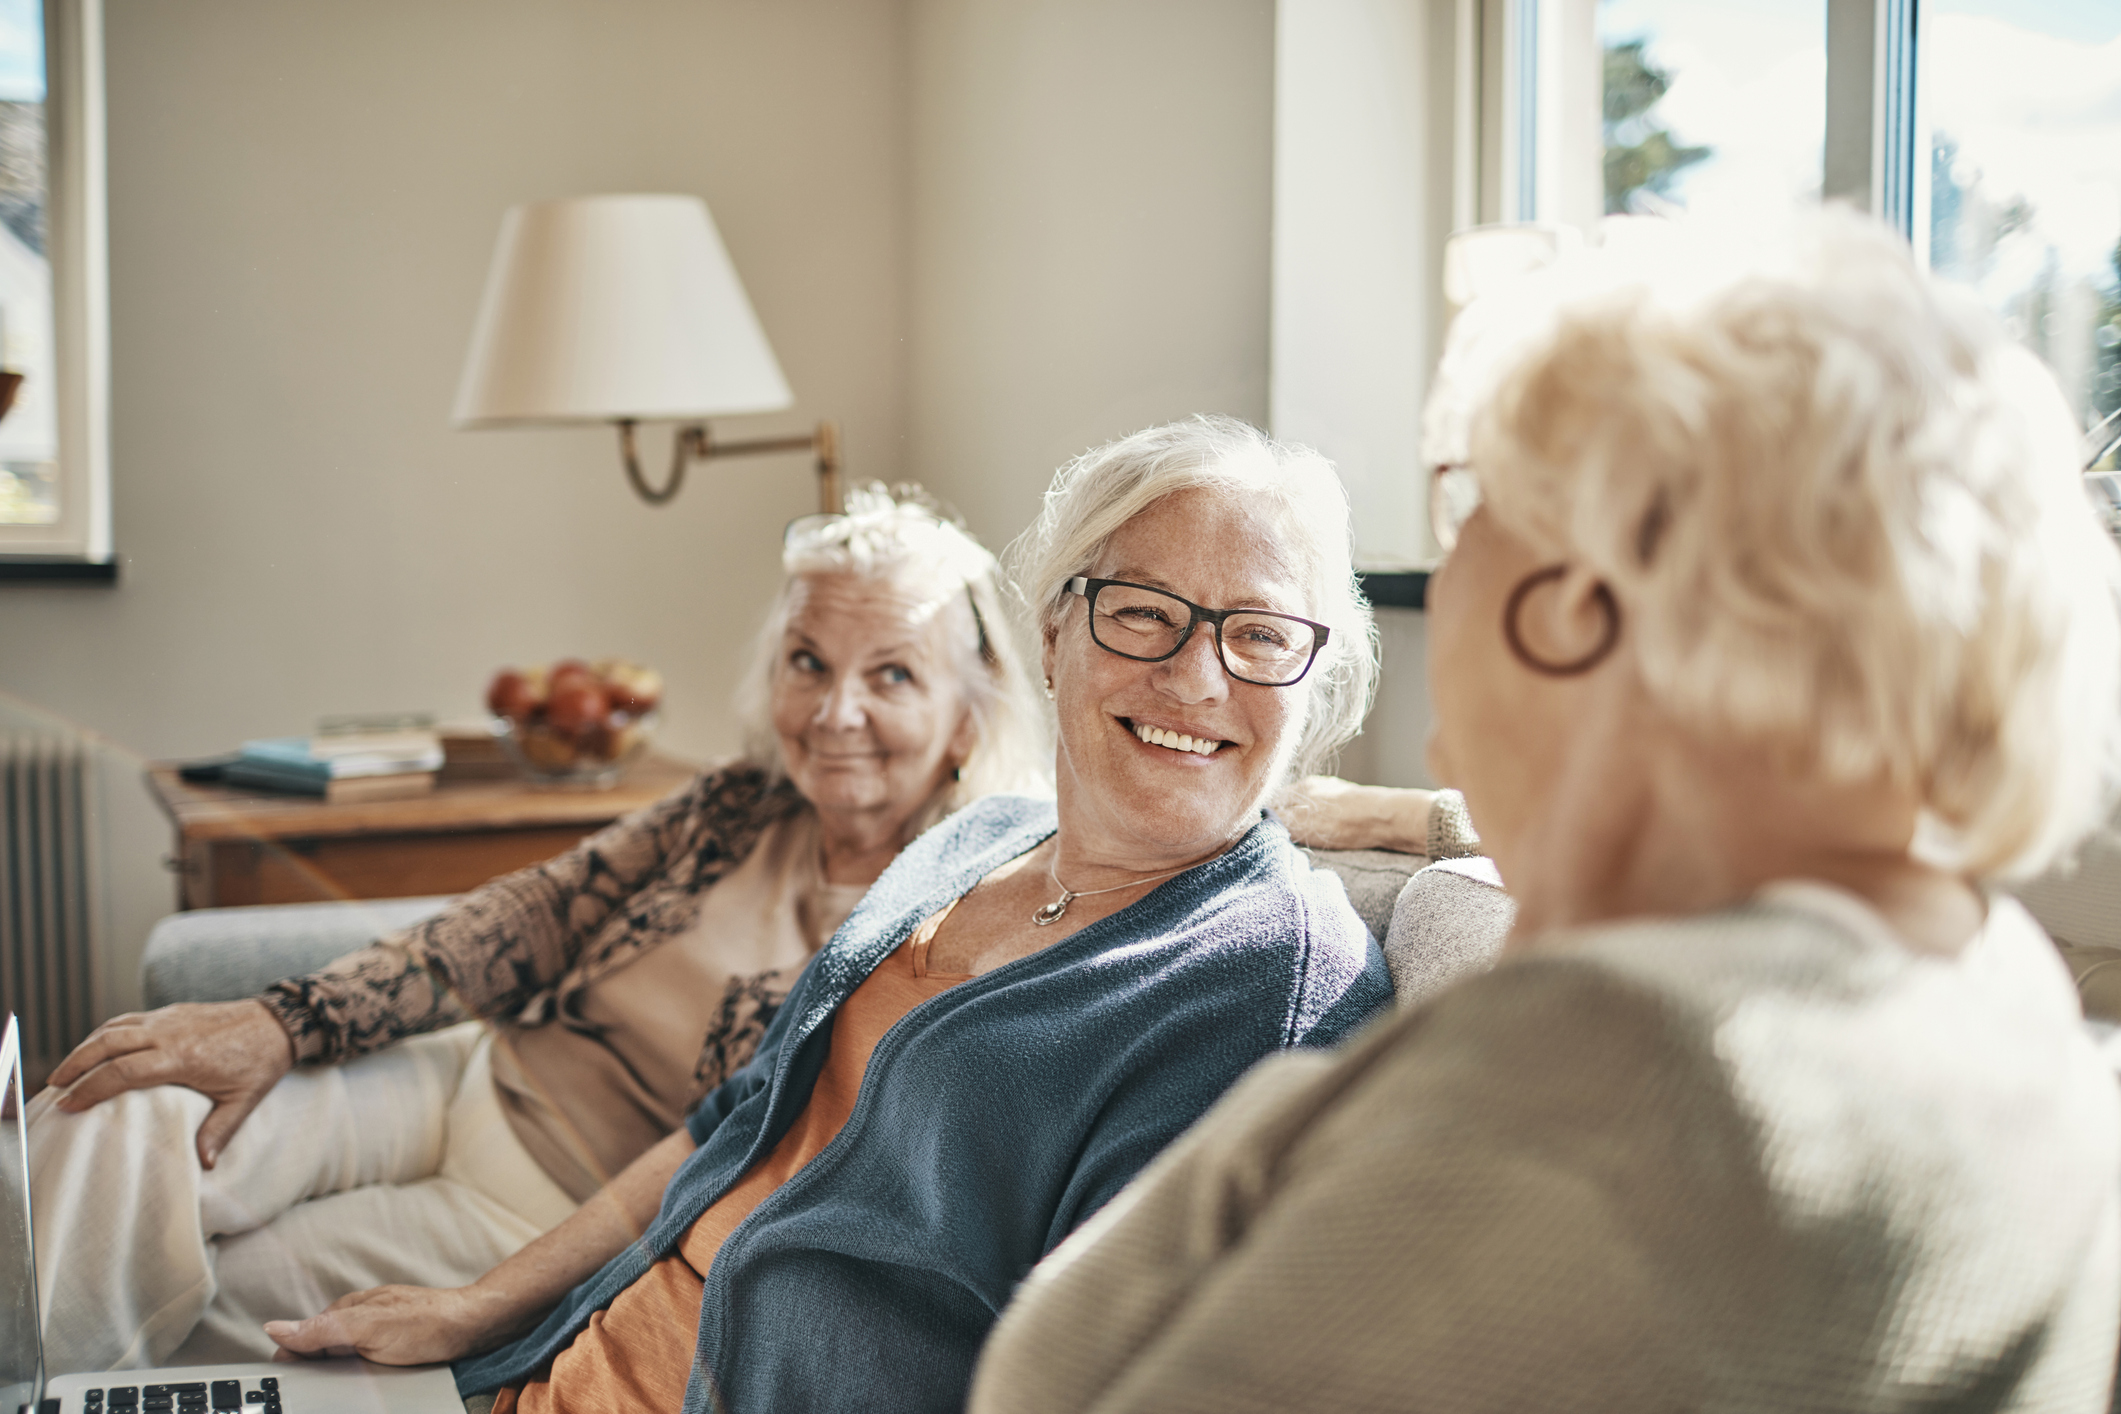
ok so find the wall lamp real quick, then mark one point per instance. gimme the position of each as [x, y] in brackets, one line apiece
[626, 309]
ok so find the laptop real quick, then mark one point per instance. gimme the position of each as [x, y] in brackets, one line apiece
[291, 1387]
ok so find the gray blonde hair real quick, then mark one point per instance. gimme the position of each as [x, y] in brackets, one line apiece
[1841, 506]
[1103, 489]
[903, 535]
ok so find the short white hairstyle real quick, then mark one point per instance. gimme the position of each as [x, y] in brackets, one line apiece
[1841, 508]
[905, 537]
[1092, 497]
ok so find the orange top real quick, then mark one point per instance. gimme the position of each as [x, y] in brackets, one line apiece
[637, 1353]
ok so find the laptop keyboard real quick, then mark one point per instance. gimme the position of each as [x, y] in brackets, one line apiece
[204, 1397]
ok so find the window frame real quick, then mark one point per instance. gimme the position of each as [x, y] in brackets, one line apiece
[78, 247]
[1512, 131]
[1872, 133]
[1875, 157]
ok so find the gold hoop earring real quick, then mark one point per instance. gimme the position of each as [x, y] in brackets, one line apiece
[1602, 595]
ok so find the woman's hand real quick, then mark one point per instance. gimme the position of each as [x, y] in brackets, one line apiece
[406, 1325]
[1326, 812]
[417, 1325]
[230, 1052]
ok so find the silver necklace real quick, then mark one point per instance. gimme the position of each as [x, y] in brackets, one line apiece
[1051, 912]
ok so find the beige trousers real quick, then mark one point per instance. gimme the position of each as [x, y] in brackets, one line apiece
[398, 1167]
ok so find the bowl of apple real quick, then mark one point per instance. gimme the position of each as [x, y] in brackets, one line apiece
[573, 723]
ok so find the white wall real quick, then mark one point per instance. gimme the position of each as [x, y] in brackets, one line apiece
[1090, 218]
[1368, 122]
[984, 234]
[303, 198]
[1362, 204]
[1093, 191]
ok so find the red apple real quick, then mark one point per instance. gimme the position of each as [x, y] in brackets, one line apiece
[512, 696]
[575, 706]
[569, 671]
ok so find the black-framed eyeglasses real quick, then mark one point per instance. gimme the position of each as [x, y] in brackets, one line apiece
[1454, 494]
[1148, 625]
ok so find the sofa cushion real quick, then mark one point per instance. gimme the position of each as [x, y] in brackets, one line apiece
[1373, 879]
[1448, 922]
[225, 954]
[1436, 922]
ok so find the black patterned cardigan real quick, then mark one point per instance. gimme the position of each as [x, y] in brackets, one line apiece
[521, 949]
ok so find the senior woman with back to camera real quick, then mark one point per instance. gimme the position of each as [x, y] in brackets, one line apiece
[1032, 1001]
[618, 982]
[1783, 633]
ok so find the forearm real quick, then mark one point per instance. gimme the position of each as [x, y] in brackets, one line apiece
[488, 954]
[419, 1325]
[363, 1002]
[524, 1287]
[1326, 812]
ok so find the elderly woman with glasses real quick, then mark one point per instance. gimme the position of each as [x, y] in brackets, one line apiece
[1033, 1000]
[1778, 632]
[617, 985]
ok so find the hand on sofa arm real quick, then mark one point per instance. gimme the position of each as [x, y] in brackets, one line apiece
[1326, 812]
[417, 1325]
[231, 1052]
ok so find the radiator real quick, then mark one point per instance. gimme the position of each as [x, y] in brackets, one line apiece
[45, 925]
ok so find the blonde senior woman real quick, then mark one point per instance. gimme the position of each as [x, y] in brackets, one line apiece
[1033, 1000]
[202, 1169]
[1781, 634]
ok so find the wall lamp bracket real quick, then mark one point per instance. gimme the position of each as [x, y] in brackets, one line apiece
[695, 442]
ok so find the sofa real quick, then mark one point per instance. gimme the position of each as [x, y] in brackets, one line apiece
[1436, 921]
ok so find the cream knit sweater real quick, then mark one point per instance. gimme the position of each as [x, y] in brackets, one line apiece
[1762, 1160]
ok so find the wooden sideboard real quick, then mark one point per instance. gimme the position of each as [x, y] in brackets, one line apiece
[239, 846]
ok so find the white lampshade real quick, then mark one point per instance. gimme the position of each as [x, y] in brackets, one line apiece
[604, 307]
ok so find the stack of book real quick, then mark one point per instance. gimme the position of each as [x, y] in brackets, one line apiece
[341, 765]
[471, 752]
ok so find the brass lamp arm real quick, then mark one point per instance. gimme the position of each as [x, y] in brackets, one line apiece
[696, 441]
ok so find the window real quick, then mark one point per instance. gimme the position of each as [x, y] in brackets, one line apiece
[54, 498]
[2019, 108]
[1990, 134]
[1989, 131]
[1712, 103]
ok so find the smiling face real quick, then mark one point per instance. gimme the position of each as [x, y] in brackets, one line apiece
[867, 705]
[1161, 763]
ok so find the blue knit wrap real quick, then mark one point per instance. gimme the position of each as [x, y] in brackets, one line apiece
[992, 1120]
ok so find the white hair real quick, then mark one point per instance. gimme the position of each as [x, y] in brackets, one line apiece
[903, 536]
[1092, 497]
[1841, 507]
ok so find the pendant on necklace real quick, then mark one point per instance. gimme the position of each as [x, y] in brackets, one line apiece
[1051, 912]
